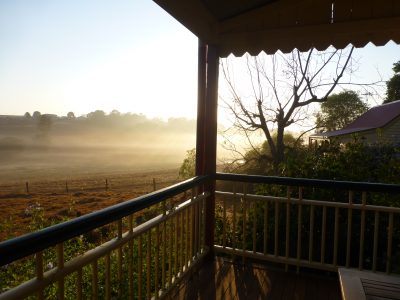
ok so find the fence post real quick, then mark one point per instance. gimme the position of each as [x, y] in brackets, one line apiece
[27, 187]
[154, 185]
[66, 186]
[106, 184]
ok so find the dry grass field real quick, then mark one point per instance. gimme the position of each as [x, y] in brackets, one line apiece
[52, 201]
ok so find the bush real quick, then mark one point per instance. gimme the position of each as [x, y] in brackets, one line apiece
[188, 167]
[355, 161]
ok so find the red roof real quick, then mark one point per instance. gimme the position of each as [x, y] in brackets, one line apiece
[376, 117]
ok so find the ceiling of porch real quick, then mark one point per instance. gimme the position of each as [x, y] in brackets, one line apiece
[239, 26]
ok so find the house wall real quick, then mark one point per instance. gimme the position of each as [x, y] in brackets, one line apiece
[370, 136]
[392, 131]
[389, 133]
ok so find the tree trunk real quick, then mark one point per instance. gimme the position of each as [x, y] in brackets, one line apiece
[280, 148]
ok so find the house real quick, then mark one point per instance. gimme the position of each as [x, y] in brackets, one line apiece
[380, 123]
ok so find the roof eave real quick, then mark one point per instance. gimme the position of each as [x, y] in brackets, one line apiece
[286, 25]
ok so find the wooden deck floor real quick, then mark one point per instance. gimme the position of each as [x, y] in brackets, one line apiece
[223, 279]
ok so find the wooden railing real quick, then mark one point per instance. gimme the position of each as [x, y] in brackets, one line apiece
[309, 223]
[138, 249]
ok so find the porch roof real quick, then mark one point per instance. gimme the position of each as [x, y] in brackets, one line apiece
[253, 26]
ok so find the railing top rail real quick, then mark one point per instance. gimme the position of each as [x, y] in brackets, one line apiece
[304, 182]
[13, 249]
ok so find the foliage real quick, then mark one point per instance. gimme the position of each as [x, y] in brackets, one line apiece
[96, 115]
[355, 161]
[188, 167]
[259, 159]
[36, 114]
[340, 110]
[70, 115]
[393, 85]
[256, 223]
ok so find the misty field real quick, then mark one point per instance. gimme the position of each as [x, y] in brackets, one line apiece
[57, 168]
[43, 200]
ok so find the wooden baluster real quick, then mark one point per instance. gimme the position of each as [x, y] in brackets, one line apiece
[323, 234]
[376, 233]
[265, 244]
[39, 271]
[148, 266]
[196, 228]
[130, 260]
[336, 237]
[254, 226]
[157, 258]
[193, 226]
[389, 245]
[108, 276]
[234, 217]
[119, 258]
[287, 242]
[60, 265]
[182, 239]
[276, 228]
[164, 253]
[299, 221]
[244, 213]
[311, 239]
[171, 250]
[187, 235]
[176, 252]
[140, 267]
[362, 233]
[95, 280]
[224, 223]
[79, 283]
[349, 228]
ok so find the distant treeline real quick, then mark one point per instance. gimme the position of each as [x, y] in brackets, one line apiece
[99, 118]
[97, 129]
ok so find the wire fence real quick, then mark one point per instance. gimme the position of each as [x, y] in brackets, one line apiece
[89, 184]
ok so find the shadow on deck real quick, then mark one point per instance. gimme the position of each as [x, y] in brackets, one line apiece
[224, 279]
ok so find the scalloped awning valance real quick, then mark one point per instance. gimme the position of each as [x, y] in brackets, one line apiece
[237, 26]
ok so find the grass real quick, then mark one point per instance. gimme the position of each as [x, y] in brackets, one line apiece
[48, 200]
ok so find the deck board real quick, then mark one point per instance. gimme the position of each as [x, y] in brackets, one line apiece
[224, 279]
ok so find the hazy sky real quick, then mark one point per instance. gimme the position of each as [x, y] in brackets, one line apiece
[81, 55]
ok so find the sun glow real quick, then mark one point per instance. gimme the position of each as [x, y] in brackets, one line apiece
[128, 56]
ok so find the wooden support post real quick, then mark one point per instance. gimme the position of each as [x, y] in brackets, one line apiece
[27, 187]
[206, 144]
[201, 107]
[66, 186]
[106, 184]
[154, 184]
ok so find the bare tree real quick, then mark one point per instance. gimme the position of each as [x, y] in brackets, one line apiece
[283, 89]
